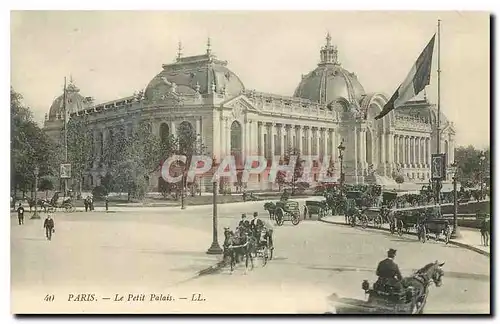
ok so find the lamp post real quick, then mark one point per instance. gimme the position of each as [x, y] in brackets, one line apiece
[454, 171]
[183, 185]
[341, 149]
[35, 215]
[482, 157]
[215, 247]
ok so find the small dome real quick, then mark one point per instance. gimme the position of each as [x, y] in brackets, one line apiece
[194, 74]
[74, 102]
[329, 82]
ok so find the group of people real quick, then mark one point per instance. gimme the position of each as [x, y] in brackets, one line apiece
[48, 223]
[255, 228]
[89, 203]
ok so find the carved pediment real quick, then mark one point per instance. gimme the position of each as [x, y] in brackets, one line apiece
[239, 106]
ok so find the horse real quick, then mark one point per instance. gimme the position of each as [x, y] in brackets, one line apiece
[421, 279]
[270, 207]
[419, 283]
[39, 203]
[238, 245]
[485, 232]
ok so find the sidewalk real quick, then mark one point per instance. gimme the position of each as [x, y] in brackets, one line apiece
[469, 239]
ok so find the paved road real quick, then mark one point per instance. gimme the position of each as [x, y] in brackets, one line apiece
[160, 251]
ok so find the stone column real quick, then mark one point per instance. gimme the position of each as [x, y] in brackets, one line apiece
[325, 142]
[383, 154]
[309, 140]
[429, 153]
[261, 140]
[216, 138]
[282, 140]
[317, 141]
[272, 128]
[420, 162]
[390, 153]
[173, 128]
[415, 162]
[198, 126]
[362, 149]
[301, 149]
[228, 136]
[333, 136]
[222, 134]
[408, 151]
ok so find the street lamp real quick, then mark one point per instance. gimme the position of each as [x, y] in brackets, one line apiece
[215, 247]
[482, 157]
[35, 215]
[341, 149]
[454, 171]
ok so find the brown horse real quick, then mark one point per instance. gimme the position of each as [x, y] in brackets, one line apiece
[237, 246]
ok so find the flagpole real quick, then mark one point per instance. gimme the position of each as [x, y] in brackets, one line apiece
[438, 146]
[65, 136]
[438, 130]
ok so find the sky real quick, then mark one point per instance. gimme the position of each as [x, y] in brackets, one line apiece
[112, 54]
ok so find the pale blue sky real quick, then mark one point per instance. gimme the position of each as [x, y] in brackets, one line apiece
[112, 54]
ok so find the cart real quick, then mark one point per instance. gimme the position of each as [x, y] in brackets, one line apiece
[287, 211]
[316, 206]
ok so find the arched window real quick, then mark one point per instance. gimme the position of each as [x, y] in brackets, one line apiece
[164, 131]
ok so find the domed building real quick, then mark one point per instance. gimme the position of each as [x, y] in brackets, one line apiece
[330, 106]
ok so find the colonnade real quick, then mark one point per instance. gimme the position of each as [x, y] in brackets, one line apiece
[270, 139]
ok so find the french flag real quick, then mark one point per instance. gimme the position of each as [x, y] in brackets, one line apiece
[418, 78]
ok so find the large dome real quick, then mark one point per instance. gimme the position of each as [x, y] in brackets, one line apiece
[74, 102]
[194, 74]
[329, 82]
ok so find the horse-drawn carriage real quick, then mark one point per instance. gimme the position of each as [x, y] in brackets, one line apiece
[287, 211]
[316, 206]
[384, 298]
[436, 226]
[54, 204]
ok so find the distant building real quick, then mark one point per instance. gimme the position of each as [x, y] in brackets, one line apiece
[329, 105]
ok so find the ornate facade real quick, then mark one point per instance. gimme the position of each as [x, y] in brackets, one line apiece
[329, 106]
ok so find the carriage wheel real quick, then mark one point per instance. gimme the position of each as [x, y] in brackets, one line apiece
[279, 216]
[392, 227]
[400, 227]
[352, 220]
[295, 219]
[377, 222]
[364, 222]
[73, 209]
[67, 208]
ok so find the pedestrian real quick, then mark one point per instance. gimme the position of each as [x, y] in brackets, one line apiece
[107, 203]
[86, 203]
[20, 214]
[91, 203]
[48, 224]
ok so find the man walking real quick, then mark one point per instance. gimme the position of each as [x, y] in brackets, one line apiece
[48, 224]
[86, 203]
[20, 214]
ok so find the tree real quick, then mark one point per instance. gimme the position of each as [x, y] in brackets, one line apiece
[132, 158]
[47, 183]
[80, 148]
[30, 146]
[298, 170]
[470, 167]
